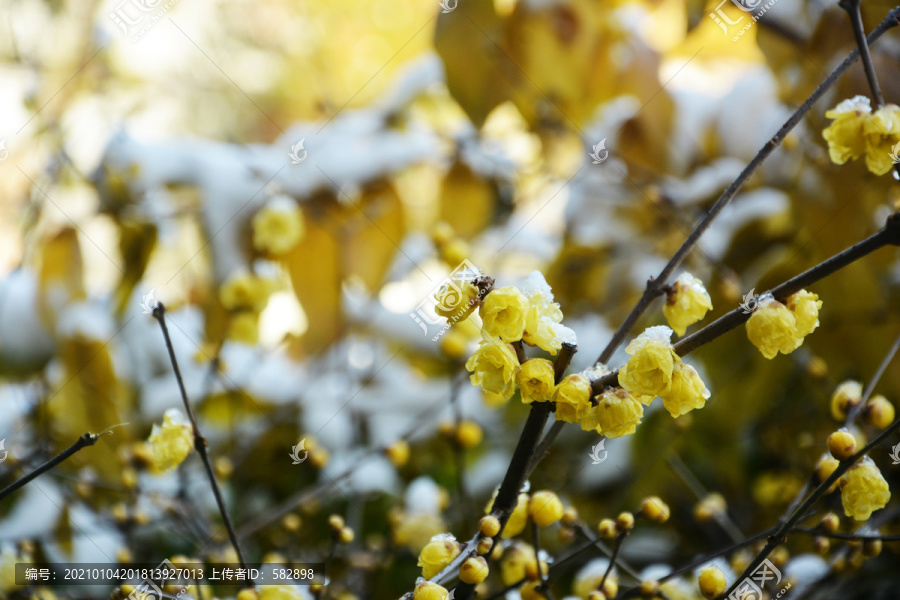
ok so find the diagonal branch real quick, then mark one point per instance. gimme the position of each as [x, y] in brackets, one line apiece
[87, 439]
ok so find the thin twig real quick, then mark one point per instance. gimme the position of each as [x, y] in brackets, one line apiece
[655, 286]
[691, 481]
[890, 234]
[854, 412]
[159, 313]
[852, 8]
[87, 439]
[846, 536]
[612, 561]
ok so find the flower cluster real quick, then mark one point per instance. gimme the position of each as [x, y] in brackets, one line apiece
[244, 296]
[511, 315]
[171, 443]
[775, 327]
[858, 131]
[654, 369]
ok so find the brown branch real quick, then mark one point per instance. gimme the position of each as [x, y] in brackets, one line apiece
[854, 412]
[890, 234]
[87, 439]
[159, 313]
[852, 8]
[655, 286]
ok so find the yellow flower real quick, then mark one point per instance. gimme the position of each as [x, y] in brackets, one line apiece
[278, 592]
[456, 301]
[687, 303]
[278, 226]
[427, 590]
[244, 328]
[617, 413]
[882, 133]
[773, 328]
[536, 380]
[649, 370]
[172, 442]
[863, 490]
[244, 291]
[493, 367]
[543, 318]
[515, 562]
[846, 395]
[712, 582]
[503, 313]
[474, 570]
[845, 136]
[687, 392]
[572, 398]
[437, 554]
[517, 519]
[805, 306]
[545, 508]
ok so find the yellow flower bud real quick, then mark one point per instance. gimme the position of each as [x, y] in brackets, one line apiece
[863, 490]
[871, 548]
[825, 467]
[649, 370]
[687, 303]
[545, 508]
[437, 554]
[821, 545]
[291, 523]
[712, 582]
[845, 397]
[830, 522]
[649, 588]
[879, 412]
[456, 301]
[616, 414]
[493, 367]
[224, 467]
[484, 546]
[607, 529]
[530, 591]
[570, 516]
[805, 306]
[503, 313]
[841, 444]
[882, 133]
[336, 522]
[398, 453]
[278, 592]
[515, 561]
[772, 328]
[172, 442]
[572, 397]
[474, 570]
[536, 380]
[686, 393]
[709, 508]
[518, 519]
[346, 535]
[655, 509]
[489, 526]
[469, 434]
[610, 587]
[278, 226]
[625, 521]
[454, 344]
[430, 591]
